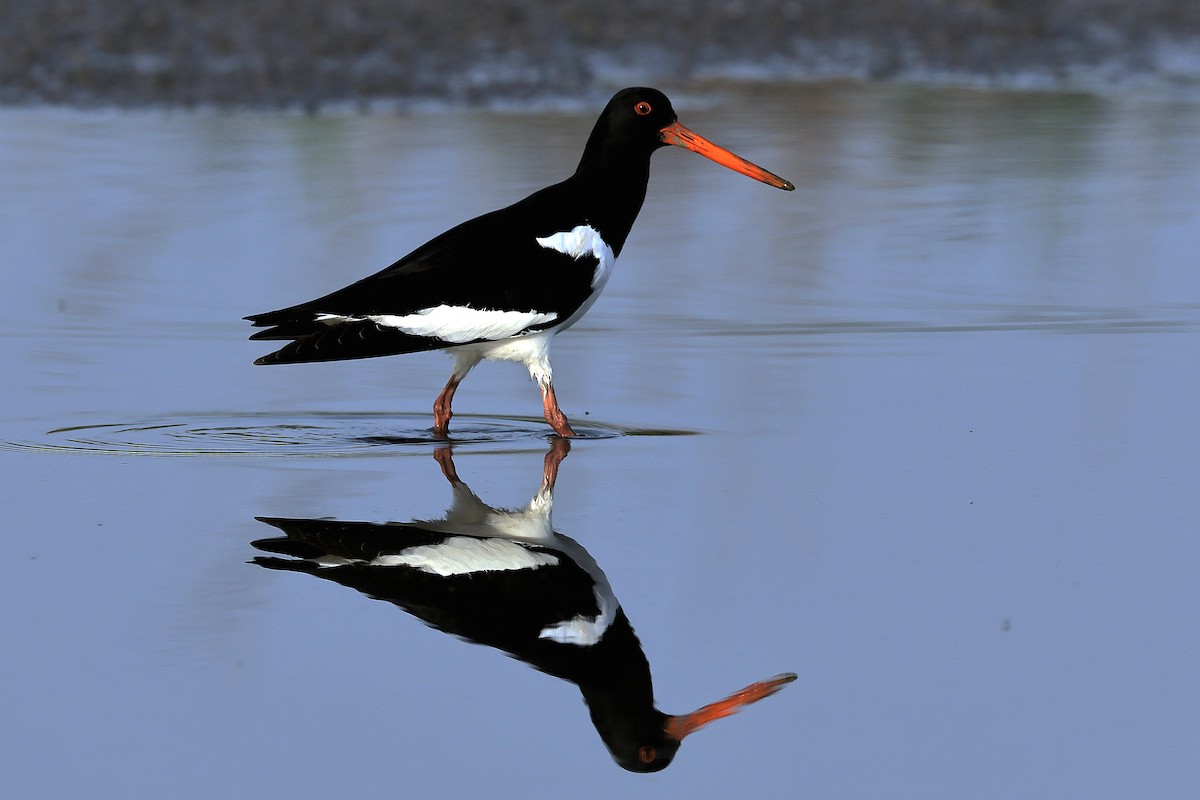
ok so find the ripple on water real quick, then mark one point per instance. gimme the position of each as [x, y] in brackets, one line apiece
[309, 434]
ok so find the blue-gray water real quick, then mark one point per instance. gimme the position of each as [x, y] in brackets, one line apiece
[944, 461]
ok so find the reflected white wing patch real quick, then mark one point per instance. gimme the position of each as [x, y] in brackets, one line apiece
[461, 555]
[579, 630]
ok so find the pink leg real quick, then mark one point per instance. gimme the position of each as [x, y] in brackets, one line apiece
[554, 456]
[446, 461]
[441, 408]
[554, 414]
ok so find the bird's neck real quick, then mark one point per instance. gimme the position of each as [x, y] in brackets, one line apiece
[613, 195]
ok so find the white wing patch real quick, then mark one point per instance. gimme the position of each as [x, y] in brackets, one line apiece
[461, 555]
[461, 325]
[580, 241]
[453, 324]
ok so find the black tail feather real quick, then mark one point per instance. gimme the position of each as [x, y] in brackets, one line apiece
[318, 341]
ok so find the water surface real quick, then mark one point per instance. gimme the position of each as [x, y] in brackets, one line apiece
[941, 455]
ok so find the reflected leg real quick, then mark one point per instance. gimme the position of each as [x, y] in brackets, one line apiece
[446, 461]
[559, 447]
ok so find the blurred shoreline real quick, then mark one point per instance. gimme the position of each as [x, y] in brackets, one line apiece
[366, 53]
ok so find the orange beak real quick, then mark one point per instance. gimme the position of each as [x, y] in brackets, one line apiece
[680, 136]
[681, 726]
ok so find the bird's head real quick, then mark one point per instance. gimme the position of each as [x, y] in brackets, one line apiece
[653, 745]
[643, 119]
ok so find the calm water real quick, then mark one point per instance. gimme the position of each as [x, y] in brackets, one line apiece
[941, 463]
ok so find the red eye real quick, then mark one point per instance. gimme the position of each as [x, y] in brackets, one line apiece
[642, 109]
[646, 752]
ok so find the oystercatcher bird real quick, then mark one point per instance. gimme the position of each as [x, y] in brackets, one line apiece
[505, 579]
[501, 285]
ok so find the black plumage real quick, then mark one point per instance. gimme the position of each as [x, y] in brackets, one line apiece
[506, 579]
[466, 277]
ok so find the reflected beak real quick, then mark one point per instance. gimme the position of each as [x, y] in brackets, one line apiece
[681, 726]
[676, 134]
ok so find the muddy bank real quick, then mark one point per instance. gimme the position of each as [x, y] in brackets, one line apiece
[307, 53]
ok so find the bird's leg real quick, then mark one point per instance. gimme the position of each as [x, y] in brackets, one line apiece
[554, 414]
[441, 407]
[464, 362]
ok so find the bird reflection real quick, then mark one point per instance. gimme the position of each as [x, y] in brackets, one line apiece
[507, 580]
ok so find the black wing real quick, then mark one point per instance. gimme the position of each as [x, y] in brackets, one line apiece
[492, 262]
